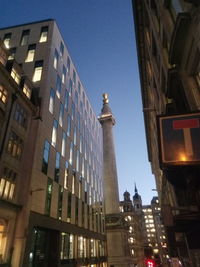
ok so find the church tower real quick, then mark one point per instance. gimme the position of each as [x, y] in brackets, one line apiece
[137, 201]
[116, 226]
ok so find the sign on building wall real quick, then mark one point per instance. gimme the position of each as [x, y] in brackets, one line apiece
[179, 139]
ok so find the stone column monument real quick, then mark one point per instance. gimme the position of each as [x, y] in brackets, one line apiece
[116, 227]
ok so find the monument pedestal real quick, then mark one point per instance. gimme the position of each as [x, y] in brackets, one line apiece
[117, 241]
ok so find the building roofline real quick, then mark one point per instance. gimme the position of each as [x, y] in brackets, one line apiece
[24, 24]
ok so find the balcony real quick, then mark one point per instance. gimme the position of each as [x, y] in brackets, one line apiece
[179, 37]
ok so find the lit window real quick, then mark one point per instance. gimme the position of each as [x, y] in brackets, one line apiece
[27, 91]
[66, 251]
[25, 37]
[48, 196]
[55, 61]
[3, 94]
[6, 40]
[81, 246]
[20, 115]
[66, 177]
[15, 75]
[54, 133]
[57, 167]
[7, 185]
[51, 100]
[60, 200]
[77, 160]
[73, 183]
[45, 157]
[58, 86]
[38, 71]
[64, 75]
[64, 138]
[68, 65]
[30, 53]
[3, 239]
[71, 153]
[15, 145]
[61, 49]
[43, 34]
[12, 53]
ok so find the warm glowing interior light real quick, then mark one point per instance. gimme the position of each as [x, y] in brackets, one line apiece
[182, 157]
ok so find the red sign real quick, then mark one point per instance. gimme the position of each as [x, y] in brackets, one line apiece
[179, 139]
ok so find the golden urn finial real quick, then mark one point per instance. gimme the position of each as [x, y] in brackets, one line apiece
[105, 98]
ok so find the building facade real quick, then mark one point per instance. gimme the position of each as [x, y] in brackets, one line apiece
[155, 244]
[134, 218]
[64, 224]
[18, 110]
[168, 45]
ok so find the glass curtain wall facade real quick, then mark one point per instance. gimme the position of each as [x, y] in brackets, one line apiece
[67, 168]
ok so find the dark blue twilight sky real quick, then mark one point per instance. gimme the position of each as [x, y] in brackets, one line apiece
[100, 38]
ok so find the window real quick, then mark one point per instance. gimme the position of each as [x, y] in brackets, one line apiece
[55, 61]
[43, 34]
[71, 153]
[57, 167]
[67, 246]
[77, 161]
[15, 75]
[20, 115]
[37, 71]
[27, 91]
[75, 136]
[79, 88]
[3, 238]
[68, 125]
[58, 86]
[7, 185]
[74, 77]
[48, 196]
[68, 65]
[3, 94]
[45, 157]
[66, 177]
[64, 75]
[60, 200]
[81, 246]
[76, 98]
[64, 139]
[61, 49]
[51, 100]
[12, 53]
[54, 133]
[6, 40]
[25, 37]
[70, 87]
[61, 114]
[73, 111]
[15, 144]
[66, 99]
[78, 120]
[69, 207]
[30, 53]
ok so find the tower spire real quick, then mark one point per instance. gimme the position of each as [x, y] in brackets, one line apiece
[136, 191]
